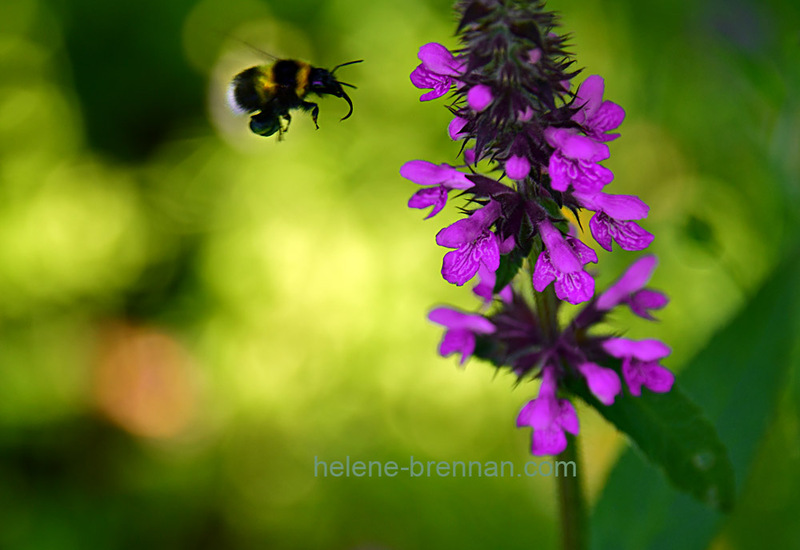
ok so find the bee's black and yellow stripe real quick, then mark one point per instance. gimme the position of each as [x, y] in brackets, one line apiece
[303, 72]
[286, 79]
[288, 76]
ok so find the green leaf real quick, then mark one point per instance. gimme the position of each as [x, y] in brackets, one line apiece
[510, 265]
[736, 379]
[552, 208]
[672, 432]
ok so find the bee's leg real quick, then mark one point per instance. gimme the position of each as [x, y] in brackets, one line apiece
[285, 118]
[314, 108]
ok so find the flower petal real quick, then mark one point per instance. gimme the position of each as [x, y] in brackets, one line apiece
[458, 233]
[590, 97]
[603, 382]
[634, 279]
[561, 172]
[648, 374]
[551, 441]
[619, 207]
[567, 417]
[517, 168]
[423, 78]
[479, 97]
[582, 251]
[457, 341]
[525, 416]
[456, 320]
[644, 300]
[644, 350]
[579, 147]
[423, 172]
[590, 177]
[430, 196]
[544, 273]
[438, 59]
[608, 117]
[454, 129]
[657, 378]
[559, 252]
[488, 248]
[436, 93]
[460, 265]
[575, 288]
[543, 412]
[627, 234]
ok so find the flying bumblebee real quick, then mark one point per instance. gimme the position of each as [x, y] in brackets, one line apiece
[269, 92]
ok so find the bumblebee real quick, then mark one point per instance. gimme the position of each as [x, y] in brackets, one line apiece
[269, 92]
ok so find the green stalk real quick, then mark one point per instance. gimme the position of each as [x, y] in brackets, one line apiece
[547, 309]
[571, 504]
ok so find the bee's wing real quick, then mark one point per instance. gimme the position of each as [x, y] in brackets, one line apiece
[258, 50]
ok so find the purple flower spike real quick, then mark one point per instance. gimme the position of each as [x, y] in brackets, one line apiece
[562, 261]
[575, 162]
[532, 140]
[640, 364]
[436, 71]
[517, 168]
[597, 116]
[549, 417]
[461, 330]
[475, 245]
[443, 176]
[629, 289]
[603, 382]
[479, 97]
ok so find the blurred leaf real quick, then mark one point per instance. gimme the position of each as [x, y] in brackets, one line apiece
[736, 380]
[673, 432]
[699, 231]
[130, 108]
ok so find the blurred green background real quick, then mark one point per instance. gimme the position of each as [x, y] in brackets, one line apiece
[190, 314]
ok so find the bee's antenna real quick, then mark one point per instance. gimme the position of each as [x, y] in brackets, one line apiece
[346, 84]
[345, 64]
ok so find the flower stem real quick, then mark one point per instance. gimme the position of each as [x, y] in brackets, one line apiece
[547, 307]
[572, 507]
